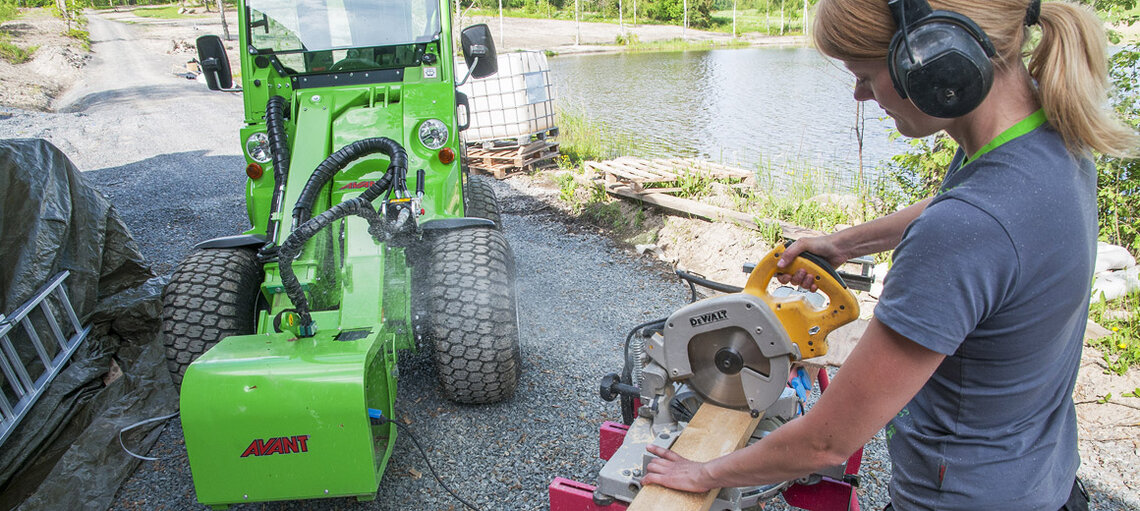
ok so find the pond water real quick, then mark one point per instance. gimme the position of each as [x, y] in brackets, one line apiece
[760, 108]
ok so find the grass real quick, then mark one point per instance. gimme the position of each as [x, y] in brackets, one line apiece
[1121, 349]
[168, 12]
[83, 36]
[542, 13]
[754, 21]
[12, 53]
[581, 139]
[679, 45]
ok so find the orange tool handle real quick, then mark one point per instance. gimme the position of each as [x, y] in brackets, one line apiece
[807, 326]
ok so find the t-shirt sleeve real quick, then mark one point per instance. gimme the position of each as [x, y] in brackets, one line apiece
[954, 266]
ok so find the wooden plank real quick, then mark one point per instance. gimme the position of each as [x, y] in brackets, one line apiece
[709, 212]
[618, 172]
[727, 171]
[713, 432]
[666, 173]
[642, 176]
[711, 169]
[664, 167]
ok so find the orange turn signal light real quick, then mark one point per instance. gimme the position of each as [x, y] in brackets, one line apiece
[446, 155]
[254, 171]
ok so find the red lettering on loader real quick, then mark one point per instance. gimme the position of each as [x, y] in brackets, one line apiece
[277, 445]
[357, 184]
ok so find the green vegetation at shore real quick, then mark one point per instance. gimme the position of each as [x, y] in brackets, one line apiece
[632, 44]
[167, 12]
[770, 17]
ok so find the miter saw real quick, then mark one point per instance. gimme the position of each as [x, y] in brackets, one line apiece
[735, 350]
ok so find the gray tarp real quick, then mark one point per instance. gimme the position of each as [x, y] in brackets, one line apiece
[65, 454]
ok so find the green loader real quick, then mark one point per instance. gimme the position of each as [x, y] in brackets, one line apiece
[368, 238]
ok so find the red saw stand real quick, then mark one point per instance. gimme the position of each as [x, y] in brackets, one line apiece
[826, 495]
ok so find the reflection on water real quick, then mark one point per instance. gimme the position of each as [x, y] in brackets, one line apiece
[755, 107]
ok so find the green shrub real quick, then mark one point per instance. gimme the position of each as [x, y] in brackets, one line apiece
[12, 53]
[8, 10]
[1121, 348]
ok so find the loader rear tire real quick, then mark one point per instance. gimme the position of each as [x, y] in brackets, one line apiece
[481, 201]
[472, 315]
[212, 295]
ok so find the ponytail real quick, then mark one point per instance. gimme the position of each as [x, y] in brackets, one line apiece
[1071, 69]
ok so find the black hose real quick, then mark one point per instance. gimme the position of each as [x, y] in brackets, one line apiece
[291, 247]
[337, 161]
[279, 148]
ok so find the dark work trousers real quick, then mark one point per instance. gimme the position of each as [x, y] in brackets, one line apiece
[1078, 499]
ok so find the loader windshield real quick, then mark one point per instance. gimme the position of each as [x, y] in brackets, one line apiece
[334, 35]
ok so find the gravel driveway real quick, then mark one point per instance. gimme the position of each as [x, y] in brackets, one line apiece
[165, 151]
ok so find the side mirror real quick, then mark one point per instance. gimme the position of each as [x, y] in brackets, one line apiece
[479, 51]
[215, 64]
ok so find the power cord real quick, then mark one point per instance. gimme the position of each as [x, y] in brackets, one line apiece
[379, 417]
[143, 423]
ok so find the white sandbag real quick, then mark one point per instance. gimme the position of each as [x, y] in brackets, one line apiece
[1111, 285]
[1112, 257]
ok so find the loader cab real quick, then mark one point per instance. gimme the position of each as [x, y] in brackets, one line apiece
[315, 36]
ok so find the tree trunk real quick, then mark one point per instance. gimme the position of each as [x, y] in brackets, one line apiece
[62, 6]
[222, 14]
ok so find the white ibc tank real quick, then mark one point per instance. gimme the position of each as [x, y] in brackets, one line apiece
[514, 103]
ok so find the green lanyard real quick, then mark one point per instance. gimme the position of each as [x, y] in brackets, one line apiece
[1022, 127]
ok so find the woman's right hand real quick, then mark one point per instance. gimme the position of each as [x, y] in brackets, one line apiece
[823, 246]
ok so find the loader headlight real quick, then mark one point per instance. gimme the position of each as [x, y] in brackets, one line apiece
[433, 134]
[257, 147]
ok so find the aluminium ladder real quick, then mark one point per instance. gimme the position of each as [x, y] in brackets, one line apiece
[19, 381]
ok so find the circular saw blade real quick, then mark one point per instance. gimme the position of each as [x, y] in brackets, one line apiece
[719, 381]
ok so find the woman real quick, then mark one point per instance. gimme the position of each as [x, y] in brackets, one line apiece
[972, 355]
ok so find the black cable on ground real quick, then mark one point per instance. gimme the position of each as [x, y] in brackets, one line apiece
[423, 453]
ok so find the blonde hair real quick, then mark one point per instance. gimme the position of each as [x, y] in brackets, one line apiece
[1069, 64]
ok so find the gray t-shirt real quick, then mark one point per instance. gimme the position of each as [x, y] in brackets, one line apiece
[995, 274]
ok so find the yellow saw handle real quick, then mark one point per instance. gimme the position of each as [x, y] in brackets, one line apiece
[806, 326]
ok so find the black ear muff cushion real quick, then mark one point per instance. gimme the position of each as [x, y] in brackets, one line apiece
[947, 70]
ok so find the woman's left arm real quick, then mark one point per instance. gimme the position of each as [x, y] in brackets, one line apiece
[883, 373]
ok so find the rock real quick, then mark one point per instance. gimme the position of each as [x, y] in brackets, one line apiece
[1094, 331]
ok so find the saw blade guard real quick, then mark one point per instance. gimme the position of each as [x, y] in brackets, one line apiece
[730, 349]
[806, 325]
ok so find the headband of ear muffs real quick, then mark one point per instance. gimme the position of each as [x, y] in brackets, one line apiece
[940, 60]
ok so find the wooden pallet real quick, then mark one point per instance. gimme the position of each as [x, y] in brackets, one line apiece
[501, 161]
[636, 173]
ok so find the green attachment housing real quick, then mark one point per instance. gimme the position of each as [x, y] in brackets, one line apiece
[267, 416]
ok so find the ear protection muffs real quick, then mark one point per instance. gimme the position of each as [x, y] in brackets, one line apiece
[940, 60]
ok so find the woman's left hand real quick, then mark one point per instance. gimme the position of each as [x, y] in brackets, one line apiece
[672, 470]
